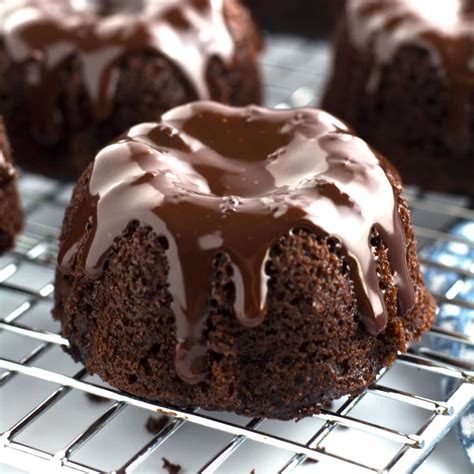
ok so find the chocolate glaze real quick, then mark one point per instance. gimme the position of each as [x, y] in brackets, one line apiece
[214, 179]
[7, 171]
[44, 33]
[444, 28]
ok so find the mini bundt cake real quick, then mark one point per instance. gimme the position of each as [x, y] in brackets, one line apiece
[239, 259]
[11, 215]
[74, 75]
[404, 79]
[302, 17]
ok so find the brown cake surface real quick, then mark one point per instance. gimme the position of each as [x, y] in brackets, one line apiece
[404, 79]
[74, 75]
[11, 215]
[302, 17]
[239, 259]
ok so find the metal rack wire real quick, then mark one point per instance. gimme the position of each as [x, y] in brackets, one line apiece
[44, 204]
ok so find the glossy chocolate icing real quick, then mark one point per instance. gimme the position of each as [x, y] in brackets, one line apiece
[214, 179]
[45, 33]
[7, 171]
[444, 28]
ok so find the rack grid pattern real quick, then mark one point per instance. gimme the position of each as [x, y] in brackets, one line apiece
[44, 202]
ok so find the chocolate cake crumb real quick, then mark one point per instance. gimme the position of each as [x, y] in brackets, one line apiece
[314, 461]
[328, 405]
[155, 425]
[170, 467]
[96, 398]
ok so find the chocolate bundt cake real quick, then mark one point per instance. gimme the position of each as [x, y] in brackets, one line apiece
[11, 215]
[404, 79]
[302, 17]
[74, 75]
[239, 259]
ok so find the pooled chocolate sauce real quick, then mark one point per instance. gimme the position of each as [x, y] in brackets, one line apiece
[444, 28]
[43, 34]
[214, 179]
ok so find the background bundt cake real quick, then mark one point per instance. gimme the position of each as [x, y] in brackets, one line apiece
[73, 75]
[404, 79]
[302, 17]
[11, 216]
[239, 259]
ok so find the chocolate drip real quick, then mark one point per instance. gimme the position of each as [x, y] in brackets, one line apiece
[444, 28]
[7, 171]
[214, 179]
[45, 33]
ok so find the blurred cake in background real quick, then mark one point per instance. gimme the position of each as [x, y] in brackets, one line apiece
[404, 79]
[74, 74]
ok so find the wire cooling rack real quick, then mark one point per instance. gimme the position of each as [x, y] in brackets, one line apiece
[47, 423]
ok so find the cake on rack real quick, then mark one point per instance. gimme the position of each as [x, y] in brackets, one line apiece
[242, 259]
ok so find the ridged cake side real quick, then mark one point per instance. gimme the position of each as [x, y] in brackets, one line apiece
[311, 348]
